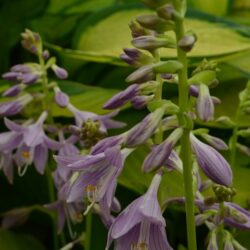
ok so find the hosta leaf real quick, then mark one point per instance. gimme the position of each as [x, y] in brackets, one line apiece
[12, 241]
[104, 35]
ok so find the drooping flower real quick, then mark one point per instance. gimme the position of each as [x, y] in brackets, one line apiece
[160, 153]
[13, 107]
[211, 162]
[141, 225]
[61, 98]
[32, 144]
[205, 106]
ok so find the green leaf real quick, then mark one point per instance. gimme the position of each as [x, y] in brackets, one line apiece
[77, 6]
[214, 7]
[12, 241]
[105, 34]
[133, 178]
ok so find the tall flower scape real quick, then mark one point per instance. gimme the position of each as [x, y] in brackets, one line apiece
[83, 163]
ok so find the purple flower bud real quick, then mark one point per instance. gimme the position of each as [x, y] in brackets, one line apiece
[141, 75]
[154, 22]
[215, 142]
[61, 73]
[140, 133]
[127, 59]
[122, 97]
[187, 42]
[174, 162]
[31, 41]
[61, 98]
[149, 42]
[211, 162]
[194, 90]
[141, 101]
[28, 78]
[11, 76]
[14, 90]
[45, 54]
[136, 30]
[205, 106]
[23, 68]
[170, 122]
[160, 153]
[14, 107]
[167, 12]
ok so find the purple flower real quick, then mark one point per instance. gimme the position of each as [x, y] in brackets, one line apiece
[105, 120]
[141, 101]
[33, 144]
[97, 179]
[61, 73]
[140, 133]
[14, 90]
[174, 162]
[61, 98]
[122, 97]
[160, 153]
[141, 224]
[24, 73]
[211, 162]
[14, 107]
[214, 141]
[205, 106]
[32, 41]
[141, 75]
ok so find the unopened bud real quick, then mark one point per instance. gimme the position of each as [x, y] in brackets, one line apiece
[61, 73]
[141, 75]
[187, 42]
[170, 66]
[153, 22]
[61, 98]
[225, 121]
[207, 77]
[137, 30]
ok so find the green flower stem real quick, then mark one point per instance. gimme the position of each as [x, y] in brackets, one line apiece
[185, 142]
[234, 138]
[88, 231]
[158, 97]
[47, 107]
[221, 226]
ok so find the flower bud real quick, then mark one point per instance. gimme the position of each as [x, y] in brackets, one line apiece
[215, 142]
[244, 132]
[141, 101]
[168, 12]
[61, 73]
[149, 42]
[122, 97]
[45, 54]
[153, 22]
[14, 90]
[141, 75]
[148, 87]
[244, 149]
[238, 246]
[213, 244]
[170, 66]
[61, 98]
[187, 42]
[32, 42]
[205, 106]
[174, 162]
[140, 133]
[160, 153]
[225, 121]
[137, 30]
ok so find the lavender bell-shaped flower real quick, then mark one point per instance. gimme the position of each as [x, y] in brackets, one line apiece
[33, 147]
[205, 106]
[211, 162]
[141, 225]
[160, 153]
